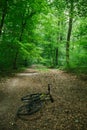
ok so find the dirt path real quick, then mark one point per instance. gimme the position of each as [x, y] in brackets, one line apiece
[68, 112]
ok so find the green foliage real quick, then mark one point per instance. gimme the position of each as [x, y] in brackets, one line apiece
[34, 32]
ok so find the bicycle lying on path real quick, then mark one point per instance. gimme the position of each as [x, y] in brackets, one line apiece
[34, 102]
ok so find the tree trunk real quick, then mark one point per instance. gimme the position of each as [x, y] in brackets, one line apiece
[23, 25]
[69, 33]
[15, 60]
[4, 11]
[56, 62]
[20, 39]
[22, 29]
[59, 39]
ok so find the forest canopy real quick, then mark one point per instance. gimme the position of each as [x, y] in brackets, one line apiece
[49, 32]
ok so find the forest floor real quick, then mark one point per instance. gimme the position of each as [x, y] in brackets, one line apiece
[67, 112]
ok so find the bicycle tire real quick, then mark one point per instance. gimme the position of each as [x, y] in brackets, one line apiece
[29, 109]
[30, 97]
[37, 98]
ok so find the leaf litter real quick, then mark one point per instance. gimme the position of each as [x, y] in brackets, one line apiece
[68, 112]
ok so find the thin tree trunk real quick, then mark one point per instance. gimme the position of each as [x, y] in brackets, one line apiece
[4, 12]
[57, 49]
[56, 62]
[68, 40]
[15, 60]
[20, 39]
[23, 25]
[69, 33]
[22, 29]
[59, 39]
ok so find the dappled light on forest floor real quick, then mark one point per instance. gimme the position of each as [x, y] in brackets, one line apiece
[68, 112]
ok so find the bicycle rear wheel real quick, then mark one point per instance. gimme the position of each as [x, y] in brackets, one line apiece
[29, 109]
[32, 97]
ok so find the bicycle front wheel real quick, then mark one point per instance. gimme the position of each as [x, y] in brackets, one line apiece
[29, 109]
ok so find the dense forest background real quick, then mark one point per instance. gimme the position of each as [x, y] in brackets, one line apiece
[48, 32]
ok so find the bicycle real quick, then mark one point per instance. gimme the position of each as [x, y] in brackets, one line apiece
[34, 102]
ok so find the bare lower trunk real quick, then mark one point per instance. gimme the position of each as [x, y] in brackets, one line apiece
[15, 60]
[56, 62]
[69, 33]
[59, 39]
[68, 41]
